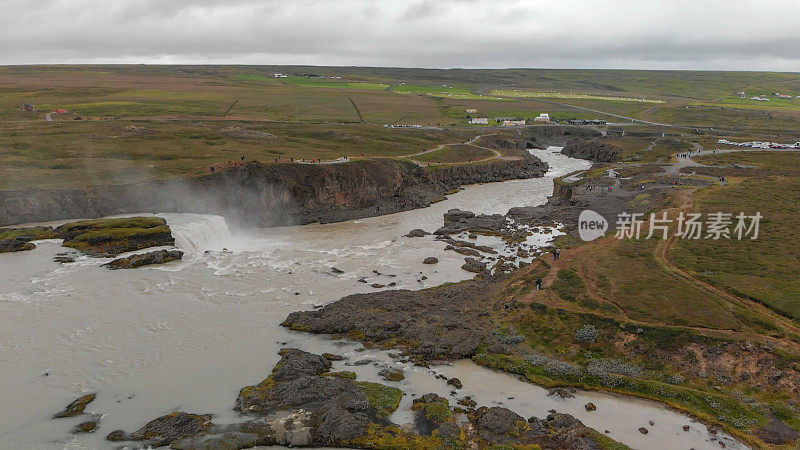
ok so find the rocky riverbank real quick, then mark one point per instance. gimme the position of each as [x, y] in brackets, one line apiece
[305, 404]
[271, 194]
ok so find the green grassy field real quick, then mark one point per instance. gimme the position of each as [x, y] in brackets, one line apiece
[763, 269]
[157, 121]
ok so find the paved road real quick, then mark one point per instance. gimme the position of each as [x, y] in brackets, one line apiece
[343, 159]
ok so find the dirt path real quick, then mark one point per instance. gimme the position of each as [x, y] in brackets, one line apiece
[360, 117]
[662, 254]
[568, 256]
[471, 143]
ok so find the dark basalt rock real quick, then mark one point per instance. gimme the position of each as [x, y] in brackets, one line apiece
[430, 260]
[166, 429]
[417, 232]
[778, 433]
[473, 265]
[410, 316]
[455, 382]
[145, 259]
[457, 221]
[594, 149]
[500, 426]
[464, 251]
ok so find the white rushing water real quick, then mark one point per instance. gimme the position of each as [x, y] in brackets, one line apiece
[188, 335]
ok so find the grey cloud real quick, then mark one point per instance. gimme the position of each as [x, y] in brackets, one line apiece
[735, 35]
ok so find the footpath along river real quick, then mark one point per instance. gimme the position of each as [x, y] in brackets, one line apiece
[188, 335]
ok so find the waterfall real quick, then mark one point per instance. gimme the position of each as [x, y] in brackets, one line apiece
[196, 233]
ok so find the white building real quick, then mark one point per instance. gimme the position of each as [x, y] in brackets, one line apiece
[543, 118]
[479, 121]
[279, 75]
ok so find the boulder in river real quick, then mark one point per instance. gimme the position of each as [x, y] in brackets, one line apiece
[77, 407]
[430, 260]
[85, 427]
[455, 382]
[417, 232]
[391, 374]
[590, 407]
[145, 259]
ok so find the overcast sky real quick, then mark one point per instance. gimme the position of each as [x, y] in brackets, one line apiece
[675, 34]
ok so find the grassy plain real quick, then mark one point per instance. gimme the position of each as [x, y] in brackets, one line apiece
[158, 121]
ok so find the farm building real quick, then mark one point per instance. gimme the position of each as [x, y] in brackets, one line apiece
[60, 111]
[542, 118]
[479, 121]
[470, 110]
[26, 107]
[513, 123]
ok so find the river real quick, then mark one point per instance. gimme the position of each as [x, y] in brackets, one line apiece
[188, 335]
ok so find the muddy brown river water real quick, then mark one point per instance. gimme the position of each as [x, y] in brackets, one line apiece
[188, 335]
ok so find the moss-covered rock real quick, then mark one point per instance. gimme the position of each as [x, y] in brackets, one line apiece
[110, 237]
[18, 239]
[77, 407]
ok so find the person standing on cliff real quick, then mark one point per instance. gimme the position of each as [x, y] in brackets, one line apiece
[538, 284]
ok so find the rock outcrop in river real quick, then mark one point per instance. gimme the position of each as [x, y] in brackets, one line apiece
[145, 259]
[303, 404]
[411, 320]
[99, 238]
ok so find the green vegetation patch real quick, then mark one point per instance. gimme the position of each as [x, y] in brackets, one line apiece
[394, 438]
[569, 285]
[384, 399]
[762, 269]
